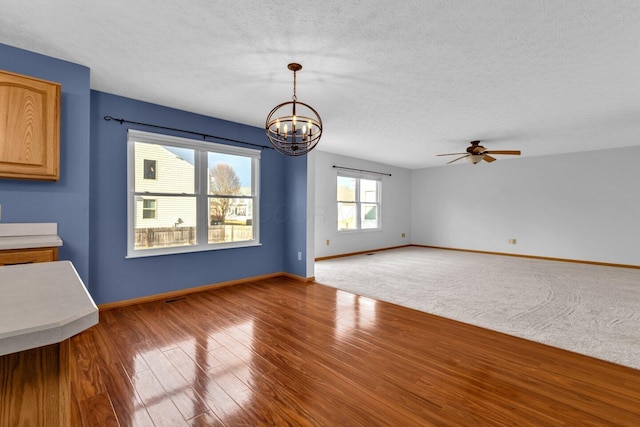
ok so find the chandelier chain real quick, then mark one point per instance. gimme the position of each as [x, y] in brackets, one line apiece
[295, 98]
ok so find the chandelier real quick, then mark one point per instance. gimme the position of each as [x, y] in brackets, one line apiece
[293, 127]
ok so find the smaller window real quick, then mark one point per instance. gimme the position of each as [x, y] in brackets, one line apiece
[358, 203]
[149, 209]
[149, 169]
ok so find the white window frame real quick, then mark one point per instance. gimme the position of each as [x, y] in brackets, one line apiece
[201, 150]
[359, 203]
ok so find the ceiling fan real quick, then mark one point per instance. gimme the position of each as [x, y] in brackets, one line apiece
[476, 153]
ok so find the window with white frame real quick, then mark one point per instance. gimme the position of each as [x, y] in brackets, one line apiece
[149, 169]
[208, 194]
[149, 208]
[358, 203]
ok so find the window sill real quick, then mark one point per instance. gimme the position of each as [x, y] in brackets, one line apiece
[144, 253]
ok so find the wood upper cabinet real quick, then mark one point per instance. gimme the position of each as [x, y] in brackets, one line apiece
[29, 128]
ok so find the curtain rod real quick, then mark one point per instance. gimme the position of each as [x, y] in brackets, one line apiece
[361, 170]
[203, 135]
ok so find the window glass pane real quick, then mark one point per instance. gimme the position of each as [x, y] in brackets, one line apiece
[173, 170]
[149, 169]
[148, 208]
[229, 175]
[231, 220]
[346, 189]
[347, 216]
[173, 222]
[368, 190]
[369, 217]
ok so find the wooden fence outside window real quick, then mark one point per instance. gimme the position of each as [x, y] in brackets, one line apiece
[184, 236]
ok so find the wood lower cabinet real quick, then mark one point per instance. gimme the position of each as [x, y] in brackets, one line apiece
[28, 256]
[29, 128]
[35, 388]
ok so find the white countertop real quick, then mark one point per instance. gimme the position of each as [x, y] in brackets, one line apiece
[29, 235]
[42, 304]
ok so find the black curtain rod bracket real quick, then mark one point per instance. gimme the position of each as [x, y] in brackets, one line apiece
[361, 170]
[203, 135]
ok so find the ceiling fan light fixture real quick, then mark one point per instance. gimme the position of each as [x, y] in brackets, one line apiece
[475, 158]
[476, 153]
[293, 127]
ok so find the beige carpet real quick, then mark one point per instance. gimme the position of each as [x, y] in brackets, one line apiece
[588, 309]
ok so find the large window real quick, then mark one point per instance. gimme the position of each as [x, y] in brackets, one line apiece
[358, 203]
[187, 195]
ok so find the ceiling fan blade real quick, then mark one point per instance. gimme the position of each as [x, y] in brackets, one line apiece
[512, 152]
[450, 154]
[455, 160]
[488, 158]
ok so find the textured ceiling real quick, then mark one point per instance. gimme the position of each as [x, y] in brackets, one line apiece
[395, 82]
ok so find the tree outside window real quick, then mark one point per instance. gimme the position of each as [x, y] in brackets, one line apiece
[223, 181]
[231, 198]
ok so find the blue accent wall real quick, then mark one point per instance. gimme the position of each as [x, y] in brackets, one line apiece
[66, 201]
[89, 203]
[114, 278]
[296, 224]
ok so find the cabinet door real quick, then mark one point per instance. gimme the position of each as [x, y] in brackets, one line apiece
[29, 128]
[28, 256]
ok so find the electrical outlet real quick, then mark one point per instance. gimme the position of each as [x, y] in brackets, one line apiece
[512, 241]
[299, 256]
[327, 242]
[404, 235]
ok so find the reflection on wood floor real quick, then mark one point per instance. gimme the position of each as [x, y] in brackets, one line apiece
[278, 352]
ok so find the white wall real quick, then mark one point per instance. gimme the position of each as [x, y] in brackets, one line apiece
[395, 215]
[582, 206]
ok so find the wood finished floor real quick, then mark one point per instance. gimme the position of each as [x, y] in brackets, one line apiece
[278, 352]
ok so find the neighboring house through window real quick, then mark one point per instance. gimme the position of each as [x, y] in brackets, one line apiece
[208, 194]
[358, 202]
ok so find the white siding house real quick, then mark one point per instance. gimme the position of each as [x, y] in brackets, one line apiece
[159, 170]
